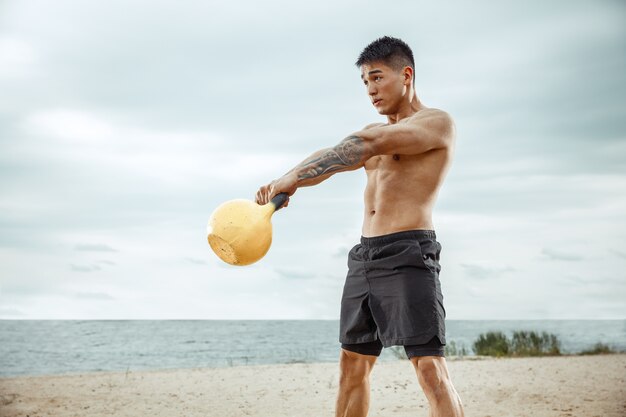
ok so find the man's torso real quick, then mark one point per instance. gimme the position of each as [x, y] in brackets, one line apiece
[401, 190]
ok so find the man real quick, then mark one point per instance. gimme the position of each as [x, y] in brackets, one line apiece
[392, 294]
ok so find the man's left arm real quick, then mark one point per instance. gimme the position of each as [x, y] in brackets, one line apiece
[420, 134]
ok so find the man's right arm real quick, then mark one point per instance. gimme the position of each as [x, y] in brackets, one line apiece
[350, 154]
[433, 129]
[346, 156]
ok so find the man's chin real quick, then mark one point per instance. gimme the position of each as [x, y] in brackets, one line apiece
[382, 112]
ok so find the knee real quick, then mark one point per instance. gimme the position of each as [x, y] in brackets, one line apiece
[354, 369]
[433, 378]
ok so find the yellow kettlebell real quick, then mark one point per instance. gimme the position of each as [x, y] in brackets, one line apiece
[240, 231]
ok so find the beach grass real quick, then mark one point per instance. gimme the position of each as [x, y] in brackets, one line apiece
[492, 344]
[530, 343]
[523, 343]
[598, 349]
[454, 349]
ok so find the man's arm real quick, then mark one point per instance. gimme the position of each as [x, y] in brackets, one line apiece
[350, 154]
[428, 130]
[347, 155]
[313, 161]
[421, 134]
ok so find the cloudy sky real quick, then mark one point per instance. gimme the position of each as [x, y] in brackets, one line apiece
[124, 124]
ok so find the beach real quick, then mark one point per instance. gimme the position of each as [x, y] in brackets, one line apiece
[585, 386]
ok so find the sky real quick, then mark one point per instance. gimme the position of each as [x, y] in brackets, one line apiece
[124, 124]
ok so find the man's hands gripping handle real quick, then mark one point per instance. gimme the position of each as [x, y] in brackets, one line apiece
[278, 191]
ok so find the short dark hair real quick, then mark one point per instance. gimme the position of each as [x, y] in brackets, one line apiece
[392, 51]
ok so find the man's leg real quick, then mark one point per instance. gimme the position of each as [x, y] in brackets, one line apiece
[434, 378]
[354, 388]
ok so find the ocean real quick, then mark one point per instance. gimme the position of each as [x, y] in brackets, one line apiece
[50, 347]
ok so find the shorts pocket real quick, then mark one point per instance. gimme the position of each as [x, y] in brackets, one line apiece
[429, 253]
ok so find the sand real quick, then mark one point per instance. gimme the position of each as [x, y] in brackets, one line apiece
[586, 386]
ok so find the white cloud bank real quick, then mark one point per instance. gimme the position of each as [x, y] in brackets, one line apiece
[123, 125]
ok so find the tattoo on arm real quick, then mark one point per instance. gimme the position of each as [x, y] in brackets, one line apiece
[346, 154]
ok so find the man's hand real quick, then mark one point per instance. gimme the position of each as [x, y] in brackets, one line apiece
[285, 184]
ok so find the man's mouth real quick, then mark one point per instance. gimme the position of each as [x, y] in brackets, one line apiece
[378, 100]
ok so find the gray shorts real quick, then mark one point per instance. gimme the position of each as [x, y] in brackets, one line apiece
[392, 294]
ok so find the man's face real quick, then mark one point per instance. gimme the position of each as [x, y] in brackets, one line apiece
[385, 86]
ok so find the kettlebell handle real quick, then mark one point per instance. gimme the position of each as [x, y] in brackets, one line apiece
[279, 200]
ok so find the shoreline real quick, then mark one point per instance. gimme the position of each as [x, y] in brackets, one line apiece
[152, 370]
[566, 385]
[390, 359]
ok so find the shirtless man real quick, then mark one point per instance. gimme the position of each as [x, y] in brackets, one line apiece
[392, 294]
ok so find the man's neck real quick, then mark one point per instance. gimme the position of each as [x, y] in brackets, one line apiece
[408, 109]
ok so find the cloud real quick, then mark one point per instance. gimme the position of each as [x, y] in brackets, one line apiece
[85, 268]
[558, 255]
[11, 312]
[341, 252]
[618, 253]
[93, 296]
[94, 247]
[18, 58]
[295, 273]
[483, 272]
[95, 148]
[196, 261]
[73, 126]
[576, 280]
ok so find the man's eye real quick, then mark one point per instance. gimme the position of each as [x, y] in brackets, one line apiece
[378, 78]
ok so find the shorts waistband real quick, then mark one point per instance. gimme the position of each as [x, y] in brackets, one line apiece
[394, 237]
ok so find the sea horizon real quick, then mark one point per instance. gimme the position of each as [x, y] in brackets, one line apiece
[61, 346]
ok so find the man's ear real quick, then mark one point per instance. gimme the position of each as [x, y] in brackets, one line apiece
[408, 75]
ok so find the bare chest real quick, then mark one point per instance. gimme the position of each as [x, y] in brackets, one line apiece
[390, 165]
[404, 172]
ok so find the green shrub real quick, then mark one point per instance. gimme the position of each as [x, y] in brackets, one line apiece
[451, 349]
[523, 343]
[526, 343]
[598, 349]
[492, 344]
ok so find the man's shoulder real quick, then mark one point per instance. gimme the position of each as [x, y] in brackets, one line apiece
[372, 125]
[435, 119]
[432, 113]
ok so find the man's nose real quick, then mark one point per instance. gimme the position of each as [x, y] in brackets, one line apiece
[371, 89]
